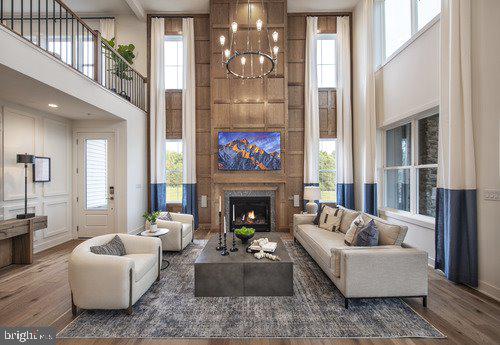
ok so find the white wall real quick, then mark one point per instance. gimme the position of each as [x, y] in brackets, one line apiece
[408, 85]
[130, 168]
[25, 130]
[486, 119]
[131, 30]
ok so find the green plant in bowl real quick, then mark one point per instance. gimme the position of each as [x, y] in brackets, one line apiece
[244, 233]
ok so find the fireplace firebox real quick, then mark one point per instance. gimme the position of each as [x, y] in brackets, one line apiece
[250, 211]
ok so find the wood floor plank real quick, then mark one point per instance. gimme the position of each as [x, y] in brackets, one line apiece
[39, 294]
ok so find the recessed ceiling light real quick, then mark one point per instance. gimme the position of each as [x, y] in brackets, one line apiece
[52, 105]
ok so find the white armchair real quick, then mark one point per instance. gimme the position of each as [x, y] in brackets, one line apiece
[180, 234]
[109, 281]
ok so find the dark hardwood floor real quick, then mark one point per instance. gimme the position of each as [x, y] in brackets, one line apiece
[39, 295]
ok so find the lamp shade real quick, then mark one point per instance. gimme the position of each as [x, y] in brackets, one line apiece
[25, 158]
[312, 193]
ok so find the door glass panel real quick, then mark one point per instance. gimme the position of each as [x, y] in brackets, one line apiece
[96, 174]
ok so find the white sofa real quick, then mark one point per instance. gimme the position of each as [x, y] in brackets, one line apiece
[111, 281]
[181, 231]
[388, 270]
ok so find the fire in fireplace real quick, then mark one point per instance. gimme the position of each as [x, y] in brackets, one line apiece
[250, 211]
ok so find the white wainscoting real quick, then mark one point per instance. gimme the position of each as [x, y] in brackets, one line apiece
[46, 135]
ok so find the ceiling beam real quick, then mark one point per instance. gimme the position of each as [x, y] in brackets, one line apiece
[137, 8]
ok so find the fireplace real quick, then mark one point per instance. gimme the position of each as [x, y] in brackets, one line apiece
[250, 211]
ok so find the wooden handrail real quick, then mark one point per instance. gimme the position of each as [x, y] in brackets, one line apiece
[123, 59]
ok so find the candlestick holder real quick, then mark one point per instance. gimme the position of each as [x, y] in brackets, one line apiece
[234, 248]
[224, 251]
[219, 247]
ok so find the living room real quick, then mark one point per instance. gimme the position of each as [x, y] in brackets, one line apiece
[275, 171]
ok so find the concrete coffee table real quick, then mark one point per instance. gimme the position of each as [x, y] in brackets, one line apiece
[240, 273]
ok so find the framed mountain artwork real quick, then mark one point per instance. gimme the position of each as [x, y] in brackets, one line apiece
[249, 151]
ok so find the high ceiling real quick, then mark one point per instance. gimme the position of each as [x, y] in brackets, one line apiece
[193, 6]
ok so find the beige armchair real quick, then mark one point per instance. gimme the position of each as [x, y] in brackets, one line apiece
[180, 234]
[113, 282]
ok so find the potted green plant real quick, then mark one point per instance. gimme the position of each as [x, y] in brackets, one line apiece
[244, 233]
[120, 68]
[151, 219]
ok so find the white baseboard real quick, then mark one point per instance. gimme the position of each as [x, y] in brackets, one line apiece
[489, 290]
[52, 242]
[136, 230]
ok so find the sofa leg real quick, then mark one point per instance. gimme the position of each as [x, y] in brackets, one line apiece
[424, 301]
[346, 303]
[74, 308]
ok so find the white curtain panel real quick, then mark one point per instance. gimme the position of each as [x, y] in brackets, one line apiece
[189, 198]
[311, 107]
[107, 28]
[456, 203]
[157, 121]
[370, 118]
[345, 182]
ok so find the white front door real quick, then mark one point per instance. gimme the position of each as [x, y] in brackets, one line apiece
[96, 181]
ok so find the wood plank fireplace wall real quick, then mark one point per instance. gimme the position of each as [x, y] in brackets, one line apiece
[252, 105]
[227, 104]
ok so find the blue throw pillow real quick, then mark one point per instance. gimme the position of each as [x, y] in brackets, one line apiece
[368, 236]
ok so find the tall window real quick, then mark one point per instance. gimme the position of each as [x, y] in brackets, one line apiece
[411, 166]
[327, 61]
[396, 21]
[327, 170]
[174, 171]
[173, 62]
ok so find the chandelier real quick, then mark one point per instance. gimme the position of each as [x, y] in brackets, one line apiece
[255, 58]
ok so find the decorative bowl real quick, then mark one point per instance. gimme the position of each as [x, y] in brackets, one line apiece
[244, 234]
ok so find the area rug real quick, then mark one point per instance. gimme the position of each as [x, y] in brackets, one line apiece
[170, 310]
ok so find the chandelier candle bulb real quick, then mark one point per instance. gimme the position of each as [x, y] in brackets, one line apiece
[275, 36]
[276, 50]
[227, 53]
[234, 26]
[259, 24]
[222, 40]
[261, 59]
[243, 60]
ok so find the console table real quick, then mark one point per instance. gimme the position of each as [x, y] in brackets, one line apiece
[16, 239]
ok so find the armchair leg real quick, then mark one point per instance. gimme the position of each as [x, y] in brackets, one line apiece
[74, 308]
[159, 264]
[424, 301]
[129, 309]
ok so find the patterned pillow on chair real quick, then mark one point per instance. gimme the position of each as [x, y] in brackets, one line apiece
[165, 216]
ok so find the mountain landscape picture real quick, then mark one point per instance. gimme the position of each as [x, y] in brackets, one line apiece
[249, 151]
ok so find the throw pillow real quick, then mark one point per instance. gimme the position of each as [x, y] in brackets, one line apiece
[316, 219]
[165, 216]
[113, 247]
[368, 236]
[356, 225]
[330, 218]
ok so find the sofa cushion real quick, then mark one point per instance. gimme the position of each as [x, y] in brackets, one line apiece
[356, 226]
[186, 229]
[142, 264]
[347, 218]
[325, 242]
[330, 218]
[368, 236]
[318, 215]
[113, 247]
[389, 234]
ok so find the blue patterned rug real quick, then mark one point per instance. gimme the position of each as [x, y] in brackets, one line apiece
[170, 310]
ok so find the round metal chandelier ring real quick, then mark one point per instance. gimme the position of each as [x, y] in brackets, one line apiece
[250, 53]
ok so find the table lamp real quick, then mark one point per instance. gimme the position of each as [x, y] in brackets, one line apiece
[25, 159]
[312, 193]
